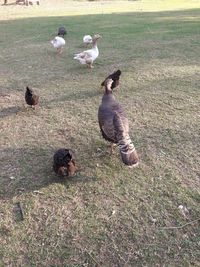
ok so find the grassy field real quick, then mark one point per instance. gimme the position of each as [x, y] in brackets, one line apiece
[108, 215]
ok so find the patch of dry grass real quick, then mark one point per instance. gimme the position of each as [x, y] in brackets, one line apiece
[107, 215]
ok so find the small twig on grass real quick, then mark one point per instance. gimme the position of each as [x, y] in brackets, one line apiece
[93, 258]
[21, 210]
[181, 226]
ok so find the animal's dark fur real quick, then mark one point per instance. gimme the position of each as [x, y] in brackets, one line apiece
[30, 98]
[64, 162]
[115, 77]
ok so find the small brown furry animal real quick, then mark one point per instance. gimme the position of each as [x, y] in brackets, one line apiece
[115, 77]
[30, 98]
[64, 162]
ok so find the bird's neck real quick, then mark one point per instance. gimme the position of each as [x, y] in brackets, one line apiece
[108, 89]
[94, 44]
[108, 96]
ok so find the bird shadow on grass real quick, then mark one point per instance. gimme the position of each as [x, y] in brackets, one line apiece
[15, 110]
[10, 111]
[30, 169]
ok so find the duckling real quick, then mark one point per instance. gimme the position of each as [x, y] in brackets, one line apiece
[88, 56]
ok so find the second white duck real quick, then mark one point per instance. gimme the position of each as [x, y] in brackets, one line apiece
[88, 56]
[87, 39]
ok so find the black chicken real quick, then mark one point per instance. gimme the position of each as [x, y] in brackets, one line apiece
[30, 98]
[62, 31]
[115, 127]
[115, 77]
[64, 162]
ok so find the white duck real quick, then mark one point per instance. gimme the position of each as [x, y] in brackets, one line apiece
[87, 39]
[88, 56]
[58, 42]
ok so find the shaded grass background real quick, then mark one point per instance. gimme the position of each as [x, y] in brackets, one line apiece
[107, 215]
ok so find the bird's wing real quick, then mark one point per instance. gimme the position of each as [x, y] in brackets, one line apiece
[105, 118]
[85, 55]
[114, 127]
[121, 127]
[88, 53]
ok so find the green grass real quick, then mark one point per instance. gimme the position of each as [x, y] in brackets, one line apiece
[108, 215]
